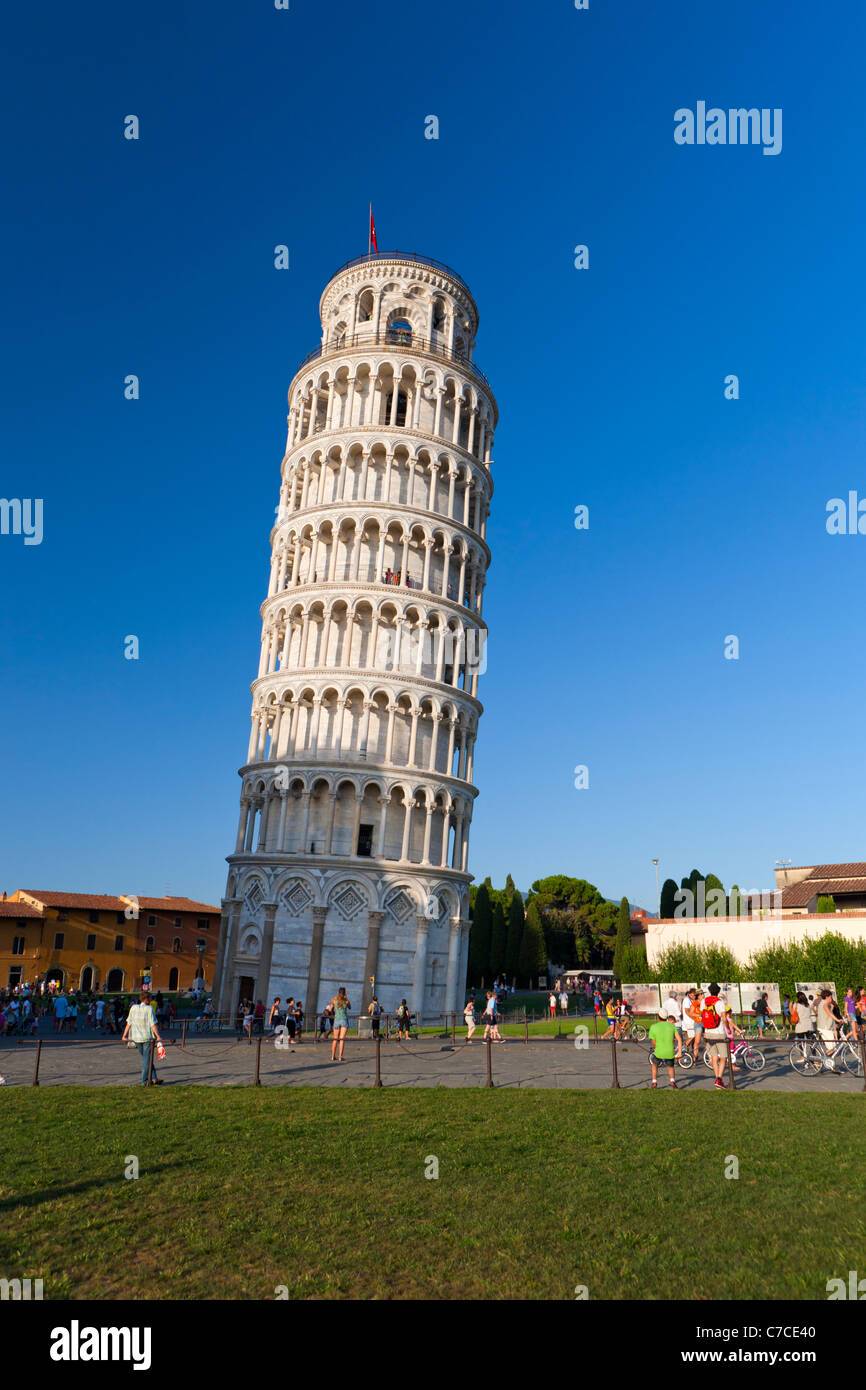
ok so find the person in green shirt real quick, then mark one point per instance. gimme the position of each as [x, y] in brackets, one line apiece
[667, 1045]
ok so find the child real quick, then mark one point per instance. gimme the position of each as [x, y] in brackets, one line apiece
[667, 1043]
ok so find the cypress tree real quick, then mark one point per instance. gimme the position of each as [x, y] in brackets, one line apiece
[516, 918]
[498, 942]
[533, 953]
[667, 905]
[623, 938]
[479, 936]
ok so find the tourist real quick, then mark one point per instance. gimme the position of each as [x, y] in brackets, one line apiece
[72, 1015]
[469, 1017]
[667, 1045]
[141, 1031]
[860, 1011]
[100, 1015]
[827, 1027]
[801, 1015]
[713, 1010]
[59, 1013]
[404, 1019]
[275, 1017]
[596, 1001]
[249, 1015]
[325, 1022]
[690, 1019]
[563, 1001]
[551, 1004]
[786, 1012]
[850, 1004]
[762, 1009]
[290, 1020]
[259, 1016]
[610, 1014]
[341, 1006]
[375, 1012]
[239, 1017]
[299, 1022]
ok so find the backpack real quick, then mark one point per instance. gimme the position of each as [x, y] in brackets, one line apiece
[709, 1017]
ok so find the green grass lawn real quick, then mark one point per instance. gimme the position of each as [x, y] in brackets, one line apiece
[324, 1191]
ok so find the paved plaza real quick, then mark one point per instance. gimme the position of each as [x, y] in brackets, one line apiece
[221, 1060]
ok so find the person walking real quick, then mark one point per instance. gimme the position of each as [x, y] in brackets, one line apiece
[142, 1032]
[248, 1020]
[341, 1006]
[551, 1004]
[667, 1045]
[275, 1017]
[469, 1017]
[563, 1001]
[375, 1012]
[713, 1009]
[403, 1019]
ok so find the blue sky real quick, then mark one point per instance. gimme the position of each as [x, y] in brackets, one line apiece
[707, 516]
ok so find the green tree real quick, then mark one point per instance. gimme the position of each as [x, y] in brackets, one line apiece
[479, 936]
[516, 919]
[717, 907]
[498, 941]
[667, 902]
[826, 903]
[533, 954]
[623, 937]
[509, 885]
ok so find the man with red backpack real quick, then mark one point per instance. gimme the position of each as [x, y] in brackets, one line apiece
[713, 1010]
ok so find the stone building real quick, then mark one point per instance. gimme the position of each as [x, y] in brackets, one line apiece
[357, 794]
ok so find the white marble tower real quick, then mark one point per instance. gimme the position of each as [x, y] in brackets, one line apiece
[357, 793]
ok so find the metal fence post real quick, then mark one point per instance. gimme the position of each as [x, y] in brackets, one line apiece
[378, 1081]
[863, 1057]
[525, 1026]
[183, 1034]
[258, 1061]
[453, 1030]
[595, 1025]
[36, 1066]
[489, 1081]
[730, 1063]
[614, 1085]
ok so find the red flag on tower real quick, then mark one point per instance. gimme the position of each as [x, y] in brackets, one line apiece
[371, 240]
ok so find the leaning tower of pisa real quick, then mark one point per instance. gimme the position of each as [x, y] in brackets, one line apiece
[357, 792]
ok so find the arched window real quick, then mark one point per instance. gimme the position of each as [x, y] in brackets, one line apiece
[175, 945]
[400, 332]
[365, 307]
[148, 946]
[114, 981]
[438, 316]
[172, 977]
[402, 408]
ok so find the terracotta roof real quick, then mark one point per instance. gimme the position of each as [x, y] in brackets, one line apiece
[799, 894]
[177, 905]
[839, 871]
[92, 902]
[8, 909]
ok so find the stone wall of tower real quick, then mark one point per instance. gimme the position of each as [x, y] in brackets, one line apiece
[351, 857]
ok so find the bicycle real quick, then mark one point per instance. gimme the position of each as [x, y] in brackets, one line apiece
[630, 1028]
[752, 1058]
[770, 1024]
[685, 1059]
[809, 1056]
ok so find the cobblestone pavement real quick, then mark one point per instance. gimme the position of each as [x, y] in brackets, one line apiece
[221, 1060]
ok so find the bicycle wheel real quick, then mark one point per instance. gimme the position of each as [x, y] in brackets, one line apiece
[686, 1060]
[853, 1059]
[638, 1032]
[805, 1060]
[754, 1060]
[708, 1061]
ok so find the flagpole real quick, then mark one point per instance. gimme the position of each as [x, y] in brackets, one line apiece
[370, 230]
